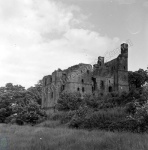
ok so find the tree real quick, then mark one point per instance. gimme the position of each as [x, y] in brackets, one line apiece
[145, 91]
[30, 113]
[138, 78]
[69, 101]
[35, 93]
[16, 96]
[9, 95]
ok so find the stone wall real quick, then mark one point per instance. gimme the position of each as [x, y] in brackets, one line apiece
[99, 80]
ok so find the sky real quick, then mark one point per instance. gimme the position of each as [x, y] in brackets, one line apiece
[38, 37]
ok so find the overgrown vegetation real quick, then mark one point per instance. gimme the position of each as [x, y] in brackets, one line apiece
[127, 112]
[21, 106]
[44, 138]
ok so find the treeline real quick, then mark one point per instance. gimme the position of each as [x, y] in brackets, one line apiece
[21, 106]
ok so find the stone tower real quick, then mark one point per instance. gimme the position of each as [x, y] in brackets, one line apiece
[102, 79]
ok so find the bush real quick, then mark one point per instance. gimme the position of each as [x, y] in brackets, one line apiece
[2, 115]
[19, 121]
[79, 117]
[91, 101]
[56, 116]
[102, 119]
[67, 116]
[139, 113]
[28, 114]
[87, 118]
[69, 101]
[130, 108]
[130, 125]
[49, 124]
[63, 117]
[121, 113]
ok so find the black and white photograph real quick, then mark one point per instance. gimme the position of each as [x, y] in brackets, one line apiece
[73, 74]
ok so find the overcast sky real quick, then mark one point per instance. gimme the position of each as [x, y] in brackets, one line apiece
[39, 36]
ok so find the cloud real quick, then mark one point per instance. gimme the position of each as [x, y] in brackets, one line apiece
[110, 1]
[145, 4]
[126, 2]
[37, 37]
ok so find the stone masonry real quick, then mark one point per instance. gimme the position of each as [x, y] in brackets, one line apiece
[100, 79]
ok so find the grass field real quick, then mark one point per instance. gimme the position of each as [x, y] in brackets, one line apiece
[50, 136]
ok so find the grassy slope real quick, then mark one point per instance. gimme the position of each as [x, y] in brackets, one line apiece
[59, 138]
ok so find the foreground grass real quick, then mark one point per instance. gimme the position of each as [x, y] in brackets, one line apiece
[47, 138]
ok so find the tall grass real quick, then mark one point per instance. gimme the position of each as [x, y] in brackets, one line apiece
[43, 138]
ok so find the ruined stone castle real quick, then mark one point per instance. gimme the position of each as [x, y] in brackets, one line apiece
[100, 79]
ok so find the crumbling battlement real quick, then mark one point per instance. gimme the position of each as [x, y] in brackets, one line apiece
[100, 79]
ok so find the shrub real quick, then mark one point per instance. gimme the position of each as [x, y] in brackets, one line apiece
[121, 113]
[79, 117]
[139, 115]
[56, 116]
[129, 125]
[69, 101]
[19, 121]
[130, 108]
[91, 101]
[30, 114]
[2, 115]
[87, 118]
[102, 119]
[49, 124]
[67, 116]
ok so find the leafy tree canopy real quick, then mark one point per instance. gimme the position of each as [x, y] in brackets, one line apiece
[138, 78]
